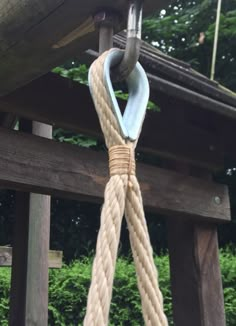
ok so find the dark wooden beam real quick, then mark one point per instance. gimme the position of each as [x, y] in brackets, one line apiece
[54, 30]
[173, 70]
[196, 283]
[19, 261]
[193, 97]
[55, 100]
[20, 253]
[30, 163]
[195, 274]
[7, 120]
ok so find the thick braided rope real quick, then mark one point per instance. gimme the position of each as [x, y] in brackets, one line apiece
[122, 193]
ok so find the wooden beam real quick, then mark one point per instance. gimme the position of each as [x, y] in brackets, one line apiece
[30, 163]
[55, 30]
[7, 120]
[54, 258]
[196, 283]
[19, 261]
[192, 97]
[55, 100]
[179, 72]
[195, 274]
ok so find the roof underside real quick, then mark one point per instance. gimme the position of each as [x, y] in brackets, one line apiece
[37, 35]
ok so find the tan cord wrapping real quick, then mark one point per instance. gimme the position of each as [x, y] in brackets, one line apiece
[122, 161]
[122, 194]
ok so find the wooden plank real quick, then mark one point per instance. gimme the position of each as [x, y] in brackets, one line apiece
[195, 274]
[40, 165]
[54, 100]
[192, 97]
[54, 258]
[38, 248]
[34, 29]
[7, 120]
[167, 68]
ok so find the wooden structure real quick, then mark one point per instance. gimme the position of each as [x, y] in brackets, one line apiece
[191, 136]
[54, 258]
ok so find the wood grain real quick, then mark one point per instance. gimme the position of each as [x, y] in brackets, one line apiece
[196, 283]
[54, 258]
[30, 28]
[19, 261]
[195, 274]
[30, 163]
[38, 248]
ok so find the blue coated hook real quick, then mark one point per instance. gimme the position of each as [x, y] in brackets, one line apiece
[131, 121]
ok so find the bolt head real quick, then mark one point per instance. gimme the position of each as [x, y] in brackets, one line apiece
[217, 200]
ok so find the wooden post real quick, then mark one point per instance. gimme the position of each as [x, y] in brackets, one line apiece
[19, 253]
[29, 293]
[19, 261]
[38, 247]
[195, 274]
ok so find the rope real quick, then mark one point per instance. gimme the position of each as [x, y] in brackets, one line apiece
[122, 194]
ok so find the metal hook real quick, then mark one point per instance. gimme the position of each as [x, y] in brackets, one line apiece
[133, 44]
[138, 87]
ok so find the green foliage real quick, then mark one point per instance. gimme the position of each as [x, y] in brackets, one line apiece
[68, 289]
[74, 139]
[5, 275]
[78, 74]
[228, 268]
[177, 30]
[124, 96]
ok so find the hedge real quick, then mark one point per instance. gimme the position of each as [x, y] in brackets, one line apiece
[68, 291]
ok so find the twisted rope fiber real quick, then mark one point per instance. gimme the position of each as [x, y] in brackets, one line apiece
[122, 194]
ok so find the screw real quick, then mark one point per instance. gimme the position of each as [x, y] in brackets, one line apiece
[217, 200]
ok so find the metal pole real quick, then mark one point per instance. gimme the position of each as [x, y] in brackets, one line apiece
[213, 64]
[105, 22]
[105, 38]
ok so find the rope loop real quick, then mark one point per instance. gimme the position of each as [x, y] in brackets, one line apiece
[122, 196]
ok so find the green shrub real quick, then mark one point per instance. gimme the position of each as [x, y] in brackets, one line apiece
[228, 270]
[5, 274]
[68, 292]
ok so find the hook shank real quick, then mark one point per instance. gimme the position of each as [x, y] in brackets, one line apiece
[133, 44]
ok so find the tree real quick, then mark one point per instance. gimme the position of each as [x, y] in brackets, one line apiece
[186, 29]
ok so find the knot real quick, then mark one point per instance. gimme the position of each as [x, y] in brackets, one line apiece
[121, 160]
